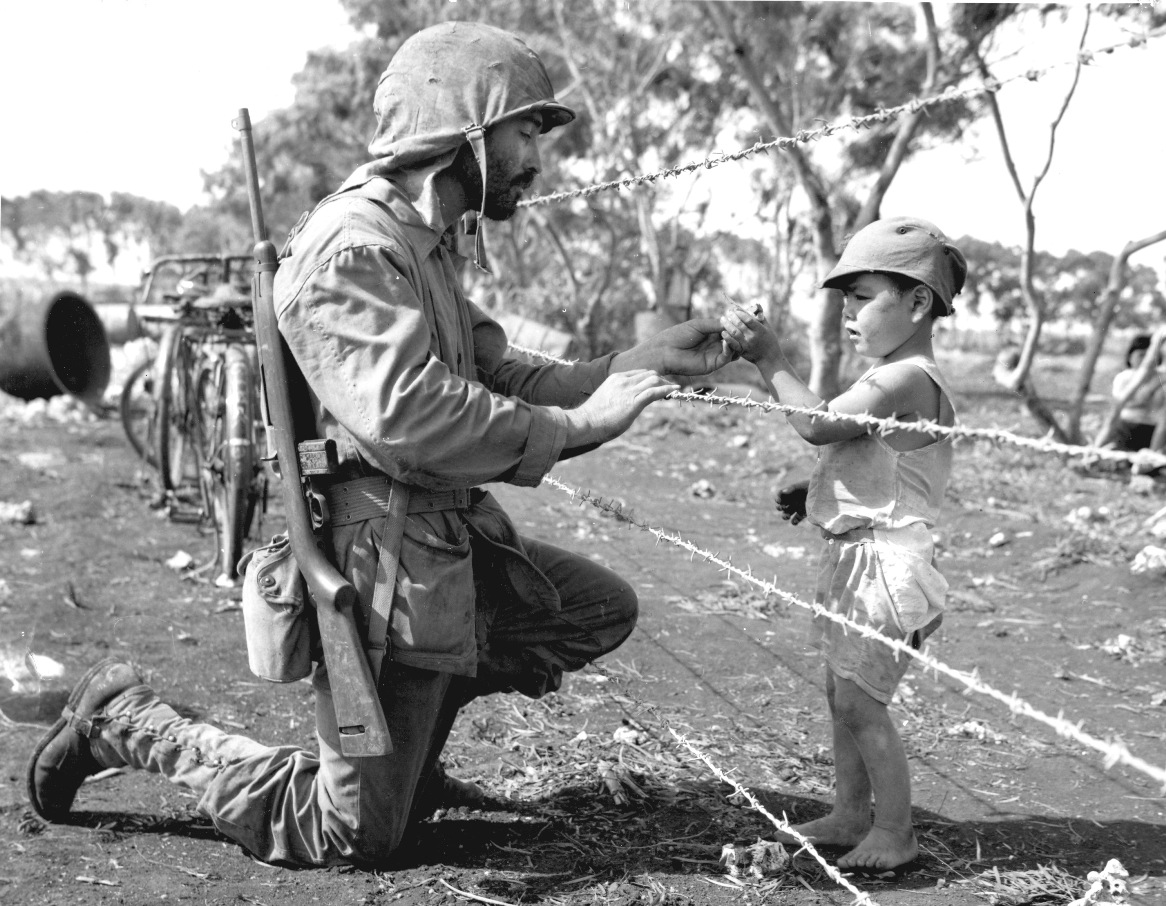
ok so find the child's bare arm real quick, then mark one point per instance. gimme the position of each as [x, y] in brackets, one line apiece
[896, 392]
[753, 339]
[903, 392]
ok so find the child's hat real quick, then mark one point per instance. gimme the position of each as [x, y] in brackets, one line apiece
[903, 245]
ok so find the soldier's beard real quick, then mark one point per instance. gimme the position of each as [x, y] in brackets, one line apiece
[503, 190]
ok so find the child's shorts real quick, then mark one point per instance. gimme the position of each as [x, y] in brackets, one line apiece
[883, 579]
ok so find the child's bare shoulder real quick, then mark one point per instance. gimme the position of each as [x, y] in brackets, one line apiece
[911, 385]
[916, 368]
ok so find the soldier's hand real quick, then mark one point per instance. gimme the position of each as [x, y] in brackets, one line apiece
[614, 405]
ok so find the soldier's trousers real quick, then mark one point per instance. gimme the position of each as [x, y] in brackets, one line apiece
[286, 805]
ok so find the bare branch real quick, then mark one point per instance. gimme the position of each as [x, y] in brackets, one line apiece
[557, 241]
[652, 71]
[769, 108]
[1136, 245]
[1001, 132]
[1064, 107]
[908, 126]
[567, 42]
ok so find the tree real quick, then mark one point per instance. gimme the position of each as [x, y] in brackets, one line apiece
[642, 106]
[1016, 374]
[588, 264]
[307, 149]
[133, 220]
[827, 61]
[1077, 287]
[211, 230]
[62, 233]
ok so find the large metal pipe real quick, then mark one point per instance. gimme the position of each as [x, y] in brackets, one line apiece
[56, 346]
[120, 321]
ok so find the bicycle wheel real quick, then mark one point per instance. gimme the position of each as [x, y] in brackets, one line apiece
[137, 407]
[177, 424]
[229, 455]
[257, 494]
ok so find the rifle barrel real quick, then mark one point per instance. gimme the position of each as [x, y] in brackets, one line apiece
[251, 172]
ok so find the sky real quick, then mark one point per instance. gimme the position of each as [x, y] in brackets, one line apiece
[138, 96]
[1107, 182]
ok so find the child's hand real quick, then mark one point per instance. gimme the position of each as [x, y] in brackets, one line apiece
[745, 334]
[727, 346]
[791, 501]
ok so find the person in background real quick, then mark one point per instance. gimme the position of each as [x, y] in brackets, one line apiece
[1141, 412]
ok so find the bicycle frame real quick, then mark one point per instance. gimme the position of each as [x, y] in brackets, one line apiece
[206, 440]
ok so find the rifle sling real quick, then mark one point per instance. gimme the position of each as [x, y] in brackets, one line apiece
[361, 499]
[387, 561]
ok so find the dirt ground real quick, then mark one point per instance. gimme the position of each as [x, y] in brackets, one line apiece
[1043, 602]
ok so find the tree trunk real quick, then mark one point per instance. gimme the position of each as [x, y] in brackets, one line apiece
[908, 126]
[1019, 380]
[825, 342]
[825, 339]
[825, 334]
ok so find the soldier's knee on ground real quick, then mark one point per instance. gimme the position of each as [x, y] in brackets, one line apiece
[374, 841]
[623, 609]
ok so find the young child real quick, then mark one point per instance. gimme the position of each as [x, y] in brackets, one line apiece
[875, 498]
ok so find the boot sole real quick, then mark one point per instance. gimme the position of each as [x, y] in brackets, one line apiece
[61, 724]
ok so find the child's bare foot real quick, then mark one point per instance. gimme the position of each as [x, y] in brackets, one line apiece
[830, 830]
[881, 850]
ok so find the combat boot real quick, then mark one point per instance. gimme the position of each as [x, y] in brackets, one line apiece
[64, 757]
[114, 720]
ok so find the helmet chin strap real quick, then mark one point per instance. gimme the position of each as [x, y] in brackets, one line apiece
[476, 135]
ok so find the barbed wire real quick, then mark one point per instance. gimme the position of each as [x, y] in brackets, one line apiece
[1114, 752]
[1143, 458]
[857, 123]
[539, 354]
[782, 824]
[933, 428]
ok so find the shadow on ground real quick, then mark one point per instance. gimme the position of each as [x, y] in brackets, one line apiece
[577, 835]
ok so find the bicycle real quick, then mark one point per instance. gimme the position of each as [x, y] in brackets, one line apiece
[193, 412]
[138, 411]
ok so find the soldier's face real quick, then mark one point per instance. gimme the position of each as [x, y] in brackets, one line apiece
[512, 163]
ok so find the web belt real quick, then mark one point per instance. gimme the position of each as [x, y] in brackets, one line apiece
[374, 497]
[368, 498]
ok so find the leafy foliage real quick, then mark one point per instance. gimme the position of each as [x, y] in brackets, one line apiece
[1072, 285]
[62, 233]
[641, 106]
[826, 62]
[651, 92]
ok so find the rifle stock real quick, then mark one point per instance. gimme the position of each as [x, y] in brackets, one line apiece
[360, 720]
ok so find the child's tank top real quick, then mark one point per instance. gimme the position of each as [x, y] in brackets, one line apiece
[865, 483]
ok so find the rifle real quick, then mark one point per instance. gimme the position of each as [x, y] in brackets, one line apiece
[359, 718]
